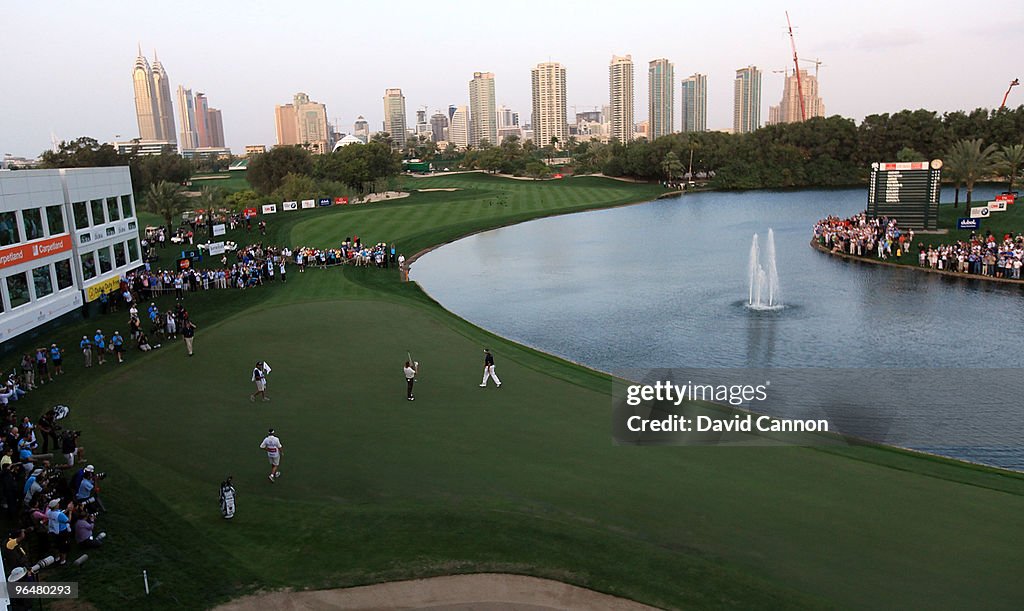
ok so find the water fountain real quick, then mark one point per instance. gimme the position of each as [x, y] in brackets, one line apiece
[764, 291]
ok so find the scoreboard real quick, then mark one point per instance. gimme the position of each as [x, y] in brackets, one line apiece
[907, 192]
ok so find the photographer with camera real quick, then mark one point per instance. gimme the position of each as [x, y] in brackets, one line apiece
[85, 496]
[69, 446]
[84, 527]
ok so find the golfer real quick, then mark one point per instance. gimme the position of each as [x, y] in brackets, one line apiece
[411, 368]
[489, 369]
[189, 333]
[274, 448]
[260, 378]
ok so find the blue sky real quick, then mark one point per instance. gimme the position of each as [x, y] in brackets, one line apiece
[67, 66]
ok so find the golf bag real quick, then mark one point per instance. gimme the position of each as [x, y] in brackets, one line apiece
[227, 499]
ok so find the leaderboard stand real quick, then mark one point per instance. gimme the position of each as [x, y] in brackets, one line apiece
[907, 192]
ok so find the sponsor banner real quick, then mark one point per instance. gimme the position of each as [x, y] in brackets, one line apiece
[1006, 197]
[340, 201]
[965, 223]
[216, 248]
[905, 165]
[92, 293]
[290, 206]
[30, 251]
[997, 206]
[219, 229]
[269, 208]
[324, 201]
[249, 213]
[308, 203]
[980, 212]
[184, 263]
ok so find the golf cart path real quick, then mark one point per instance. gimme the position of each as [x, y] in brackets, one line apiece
[480, 592]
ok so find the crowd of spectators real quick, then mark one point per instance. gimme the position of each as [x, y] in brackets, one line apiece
[981, 254]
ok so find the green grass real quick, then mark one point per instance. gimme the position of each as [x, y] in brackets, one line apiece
[523, 480]
[227, 181]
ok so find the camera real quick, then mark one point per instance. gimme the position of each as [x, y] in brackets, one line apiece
[101, 475]
[42, 564]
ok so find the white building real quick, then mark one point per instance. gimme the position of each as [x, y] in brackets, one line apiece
[65, 236]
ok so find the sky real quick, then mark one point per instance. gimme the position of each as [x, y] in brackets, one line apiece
[66, 67]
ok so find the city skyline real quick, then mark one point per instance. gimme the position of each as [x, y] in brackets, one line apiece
[877, 59]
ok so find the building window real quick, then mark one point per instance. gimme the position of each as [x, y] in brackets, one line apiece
[55, 219]
[97, 212]
[33, 221]
[64, 277]
[133, 249]
[126, 206]
[9, 233]
[88, 266]
[17, 288]
[42, 281]
[112, 210]
[81, 215]
[103, 255]
[119, 260]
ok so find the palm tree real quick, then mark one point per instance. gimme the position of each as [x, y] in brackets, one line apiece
[1010, 159]
[974, 162]
[210, 198]
[954, 169]
[166, 199]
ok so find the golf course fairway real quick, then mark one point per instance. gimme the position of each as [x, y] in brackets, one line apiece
[522, 479]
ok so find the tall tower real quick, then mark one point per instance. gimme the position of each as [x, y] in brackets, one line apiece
[394, 116]
[164, 112]
[202, 120]
[187, 109]
[216, 124]
[620, 89]
[661, 98]
[287, 125]
[746, 115]
[361, 129]
[695, 103]
[548, 83]
[145, 100]
[438, 122]
[458, 128]
[788, 110]
[482, 112]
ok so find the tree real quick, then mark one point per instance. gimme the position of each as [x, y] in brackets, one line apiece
[972, 161]
[240, 200]
[671, 166]
[210, 198]
[267, 171]
[538, 169]
[296, 187]
[1009, 160]
[908, 154]
[166, 199]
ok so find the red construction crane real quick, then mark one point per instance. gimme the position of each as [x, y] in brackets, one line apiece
[1013, 84]
[796, 64]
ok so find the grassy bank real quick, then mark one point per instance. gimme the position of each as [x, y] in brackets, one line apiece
[523, 479]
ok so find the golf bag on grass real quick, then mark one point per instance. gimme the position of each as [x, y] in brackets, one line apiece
[227, 499]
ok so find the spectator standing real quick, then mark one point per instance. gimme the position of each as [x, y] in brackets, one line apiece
[41, 368]
[86, 347]
[57, 356]
[100, 342]
[117, 343]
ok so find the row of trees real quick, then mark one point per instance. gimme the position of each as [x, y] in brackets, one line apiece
[830, 151]
[357, 168]
[146, 170]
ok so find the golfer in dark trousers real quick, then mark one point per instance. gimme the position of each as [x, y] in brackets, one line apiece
[410, 378]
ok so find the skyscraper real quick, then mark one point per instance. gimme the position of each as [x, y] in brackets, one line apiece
[361, 129]
[146, 110]
[695, 103]
[216, 127]
[788, 110]
[548, 84]
[458, 129]
[746, 115]
[620, 90]
[394, 116]
[507, 117]
[482, 112]
[303, 122]
[163, 111]
[438, 121]
[202, 120]
[661, 98]
[189, 139]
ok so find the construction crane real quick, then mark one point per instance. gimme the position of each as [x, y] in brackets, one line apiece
[796, 64]
[1013, 84]
[817, 64]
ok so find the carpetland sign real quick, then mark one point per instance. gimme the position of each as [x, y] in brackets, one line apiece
[964, 223]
